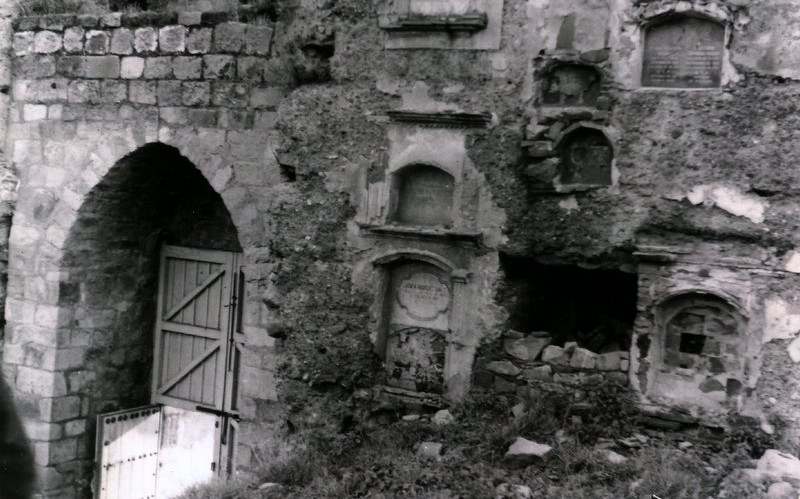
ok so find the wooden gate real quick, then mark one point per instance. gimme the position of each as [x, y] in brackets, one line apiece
[197, 349]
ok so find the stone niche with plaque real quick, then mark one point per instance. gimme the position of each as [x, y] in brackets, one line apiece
[586, 158]
[418, 309]
[423, 196]
[683, 52]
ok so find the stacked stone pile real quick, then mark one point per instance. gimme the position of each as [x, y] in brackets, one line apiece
[531, 359]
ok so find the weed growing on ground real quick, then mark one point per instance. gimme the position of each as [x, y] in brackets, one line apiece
[45, 7]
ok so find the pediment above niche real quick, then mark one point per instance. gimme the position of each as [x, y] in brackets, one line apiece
[442, 24]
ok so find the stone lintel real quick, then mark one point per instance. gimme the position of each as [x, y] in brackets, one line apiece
[469, 22]
[441, 119]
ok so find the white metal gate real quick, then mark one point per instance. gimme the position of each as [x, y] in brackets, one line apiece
[187, 438]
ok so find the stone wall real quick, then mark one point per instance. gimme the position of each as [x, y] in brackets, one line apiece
[89, 94]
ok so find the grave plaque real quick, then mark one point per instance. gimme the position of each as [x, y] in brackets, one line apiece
[418, 325]
[586, 158]
[684, 53]
[425, 197]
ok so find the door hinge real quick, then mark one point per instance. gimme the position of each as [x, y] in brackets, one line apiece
[213, 466]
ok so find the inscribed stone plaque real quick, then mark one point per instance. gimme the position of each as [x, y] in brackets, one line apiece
[571, 85]
[425, 196]
[685, 53]
[586, 158]
[418, 324]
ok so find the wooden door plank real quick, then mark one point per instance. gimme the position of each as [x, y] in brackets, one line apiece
[187, 299]
[186, 329]
[188, 368]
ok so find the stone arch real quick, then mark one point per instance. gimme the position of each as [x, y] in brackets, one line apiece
[84, 260]
[701, 344]
[422, 194]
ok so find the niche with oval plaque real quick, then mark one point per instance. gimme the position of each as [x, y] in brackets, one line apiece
[571, 85]
[586, 158]
[420, 299]
[424, 196]
[684, 52]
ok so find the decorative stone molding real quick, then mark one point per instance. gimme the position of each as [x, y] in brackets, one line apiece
[441, 119]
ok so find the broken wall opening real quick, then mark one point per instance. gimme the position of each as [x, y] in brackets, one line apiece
[595, 308]
[702, 346]
[110, 273]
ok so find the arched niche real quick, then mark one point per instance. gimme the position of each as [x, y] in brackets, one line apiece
[416, 322]
[586, 157]
[571, 84]
[702, 333]
[422, 195]
[683, 51]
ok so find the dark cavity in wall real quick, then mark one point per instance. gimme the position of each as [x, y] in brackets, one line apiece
[596, 308]
[148, 198]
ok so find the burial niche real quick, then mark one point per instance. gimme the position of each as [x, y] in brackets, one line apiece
[418, 310]
[683, 52]
[701, 333]
[586, 158]
[423, 196]
[571, 85]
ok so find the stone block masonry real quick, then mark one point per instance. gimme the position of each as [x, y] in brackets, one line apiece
[88, 91]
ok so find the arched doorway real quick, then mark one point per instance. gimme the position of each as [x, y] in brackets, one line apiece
[114, 274]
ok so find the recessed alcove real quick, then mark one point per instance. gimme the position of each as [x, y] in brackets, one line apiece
[571, 84]
[422, 195]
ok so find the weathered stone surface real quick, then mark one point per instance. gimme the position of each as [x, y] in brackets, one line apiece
[229, 37]
[430, 450]
[198, 41]
[509, 491]
[47, 42]
[73, 39]
[169, 93]
[32, 67]
[97, 42]
[779, 466]
[443, 417]
[503, 367]
[250, 68]
[145, 40]
[189, 18]
[219, 66]
[781, 490]
[539, 372]
[172, 39]
[158, 67]
[122, 41]
[583, 359]
[613, 457]
[196, 93]
[258, 39]
[608, 361]
[23, 43]
[555, 355]
[516, 349]
[524, 452]
[187, 68]
[131, 67]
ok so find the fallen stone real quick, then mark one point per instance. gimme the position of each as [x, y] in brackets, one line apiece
[583, 359]
[411, 417]
[669, 414]
[518, 410]
[555, 355]
[539, 372]
[608, 361]
[562, 437]
[781, 490]
[514, 335]
[443, 417]
[613, 457]
[685, 445]
[509, 491]
[524, 452]
[430, 450]
[570, 346]
[503, 367]
[779, 466]
[536, 342]
[516, 349]
[269, 486]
